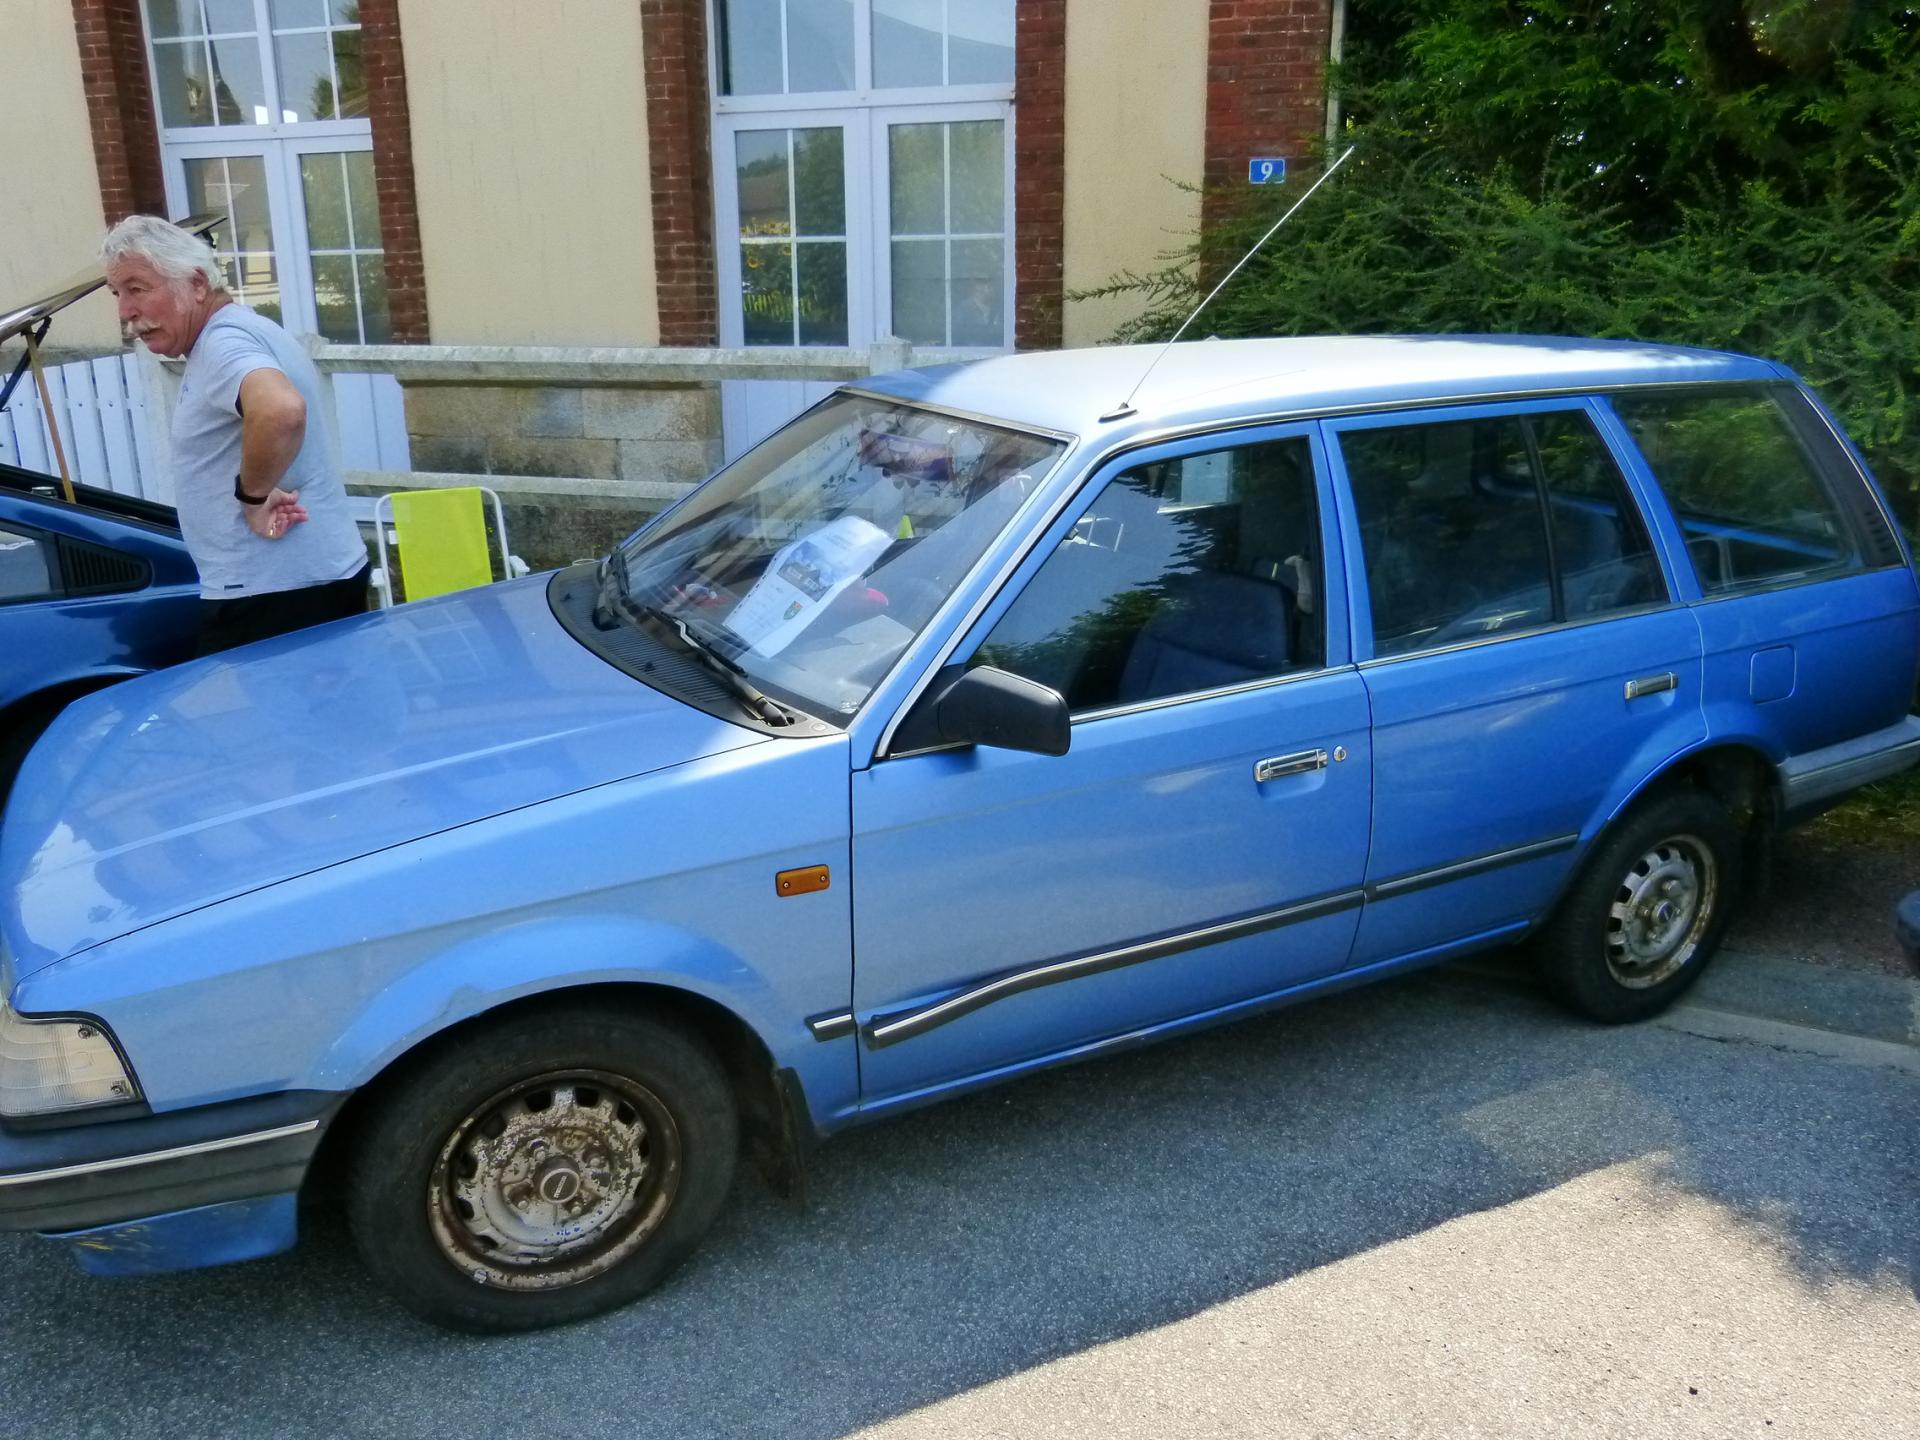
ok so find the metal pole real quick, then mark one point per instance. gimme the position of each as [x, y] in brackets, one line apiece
[46, 408]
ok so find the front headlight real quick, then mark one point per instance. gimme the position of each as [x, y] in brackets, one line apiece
[49, 1067]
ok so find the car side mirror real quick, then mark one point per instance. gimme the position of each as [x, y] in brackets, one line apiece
[985, 706]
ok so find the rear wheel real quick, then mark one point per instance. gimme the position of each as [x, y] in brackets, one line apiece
[1647, 911]
[542, 1169]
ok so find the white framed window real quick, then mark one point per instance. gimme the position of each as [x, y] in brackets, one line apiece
[863, 164]
[263, 115]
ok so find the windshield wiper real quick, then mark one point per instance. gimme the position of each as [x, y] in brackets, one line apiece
[763, 705]
[616, 600]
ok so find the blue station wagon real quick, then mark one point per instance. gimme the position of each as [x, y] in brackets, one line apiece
[982, 718]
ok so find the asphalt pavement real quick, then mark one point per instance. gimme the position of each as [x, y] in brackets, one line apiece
[1434, 1207]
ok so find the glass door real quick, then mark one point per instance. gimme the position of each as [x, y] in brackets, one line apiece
[263, 113]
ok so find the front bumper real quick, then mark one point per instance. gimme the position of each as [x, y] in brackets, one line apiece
[88, 1176]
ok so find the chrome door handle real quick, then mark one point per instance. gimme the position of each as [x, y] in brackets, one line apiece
[1298, 763]
[1652, 685]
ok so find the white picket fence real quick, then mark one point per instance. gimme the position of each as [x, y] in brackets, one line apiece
[114, 441]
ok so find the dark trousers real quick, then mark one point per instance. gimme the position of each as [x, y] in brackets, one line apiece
[227, 623]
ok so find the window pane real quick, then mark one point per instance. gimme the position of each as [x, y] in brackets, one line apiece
[980, 51]
[227, 17]
[235, 186]
[174, 17]
[292, 14]
[239, 94]
[1184, 575]
[345, 12]
[978, 287]
[823, 293]
[350, 73]
[750, 36]
[819, 182]
[1451, 527]
[254, 281]
[185, 96]
[375, 315]
[306, 77]
[920, 291]
[907, 43]
[23, 567]
[766, 293]
[363, 204]
[819, 45]
[333, 298]
[917, 179]
[323, 180]
[979, 177]
[1600, 544]
[760, 170]
[1741, 486]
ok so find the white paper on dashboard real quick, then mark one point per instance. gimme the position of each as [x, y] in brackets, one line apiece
[801, 578]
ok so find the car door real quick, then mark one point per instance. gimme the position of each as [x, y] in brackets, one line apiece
[1202, 843]
[1524, 658]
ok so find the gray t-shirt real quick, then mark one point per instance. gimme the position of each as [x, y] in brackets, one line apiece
[232, 560]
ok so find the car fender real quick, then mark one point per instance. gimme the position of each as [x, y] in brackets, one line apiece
[480, 973]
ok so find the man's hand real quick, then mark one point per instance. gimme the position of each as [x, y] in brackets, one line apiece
[275, 515]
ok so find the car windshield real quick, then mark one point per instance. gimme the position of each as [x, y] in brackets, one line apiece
[808, 566]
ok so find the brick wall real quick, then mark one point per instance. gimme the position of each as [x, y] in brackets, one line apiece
[126, 144]
[386, 75]
[674, 36]
[1266, 88]
[1039, 171]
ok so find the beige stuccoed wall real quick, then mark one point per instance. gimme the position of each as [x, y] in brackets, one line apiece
[49, 189]
[530, 164]
[1136, 111]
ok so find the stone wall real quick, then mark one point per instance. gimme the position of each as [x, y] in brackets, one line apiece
[576, 467]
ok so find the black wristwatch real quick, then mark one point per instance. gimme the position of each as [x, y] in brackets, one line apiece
[240, 494]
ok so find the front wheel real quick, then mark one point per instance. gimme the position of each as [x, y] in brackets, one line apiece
[1647, 911]
[542, 1169]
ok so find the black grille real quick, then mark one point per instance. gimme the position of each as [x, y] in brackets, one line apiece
[93, 570]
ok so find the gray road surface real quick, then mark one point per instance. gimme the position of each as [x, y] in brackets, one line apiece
[1437, 1207]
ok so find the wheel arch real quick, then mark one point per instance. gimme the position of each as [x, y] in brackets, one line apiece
[777, 1131]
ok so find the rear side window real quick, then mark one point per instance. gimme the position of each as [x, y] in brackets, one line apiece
[1481, 527]
[24, 572]
[1753, 498]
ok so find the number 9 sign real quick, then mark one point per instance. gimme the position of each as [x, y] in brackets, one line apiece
[1267, 170]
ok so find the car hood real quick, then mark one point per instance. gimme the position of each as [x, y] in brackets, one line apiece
[182, 788]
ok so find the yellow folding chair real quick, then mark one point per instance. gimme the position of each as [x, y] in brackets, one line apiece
[440, 542]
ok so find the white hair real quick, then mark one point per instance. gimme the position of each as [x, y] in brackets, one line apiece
[175, 253]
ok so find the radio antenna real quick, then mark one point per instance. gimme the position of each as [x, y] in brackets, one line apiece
[1126, 407]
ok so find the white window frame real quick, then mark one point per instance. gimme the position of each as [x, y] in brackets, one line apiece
[864, 115]
[279, 146]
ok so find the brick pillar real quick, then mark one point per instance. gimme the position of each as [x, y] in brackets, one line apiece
[1266, 90]
[126, 142]
[1039, 171]
[674, 37]
[386, 75]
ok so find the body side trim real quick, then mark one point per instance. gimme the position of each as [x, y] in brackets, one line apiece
[155, 1157]
[891, 1029]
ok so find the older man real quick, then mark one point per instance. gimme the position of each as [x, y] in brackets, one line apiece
[262, 506]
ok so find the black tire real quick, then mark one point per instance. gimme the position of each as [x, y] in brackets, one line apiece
[1647, 910]
[539, 1170]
